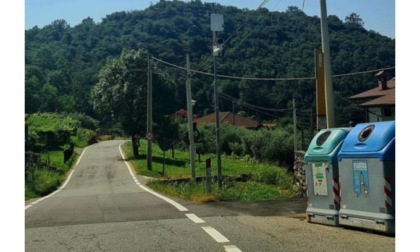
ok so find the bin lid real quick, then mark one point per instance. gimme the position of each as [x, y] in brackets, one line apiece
[326, 141]
[369, 137]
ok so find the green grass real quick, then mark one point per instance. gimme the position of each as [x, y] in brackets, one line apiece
[45, 181]
[267, 181]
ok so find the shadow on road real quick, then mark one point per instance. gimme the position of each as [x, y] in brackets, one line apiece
[283, 207]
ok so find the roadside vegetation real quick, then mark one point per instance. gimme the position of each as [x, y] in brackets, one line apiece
[244, 178]
[50, 143]
[255, 164]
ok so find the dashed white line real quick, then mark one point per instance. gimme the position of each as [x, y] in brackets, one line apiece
[195, 218]
[232, 248]
[215, 234]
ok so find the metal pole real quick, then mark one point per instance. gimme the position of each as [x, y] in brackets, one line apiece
[190, 119]
[149, 114]
[208, 176]
[216, 109]
[329, 98]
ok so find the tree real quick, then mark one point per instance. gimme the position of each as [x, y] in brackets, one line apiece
[354, 19]
[122, 92]
[265, 44]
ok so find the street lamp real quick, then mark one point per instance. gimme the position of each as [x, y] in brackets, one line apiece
[190, 104]
[216, 23]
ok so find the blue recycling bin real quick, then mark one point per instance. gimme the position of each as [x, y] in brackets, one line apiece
[322, 178]
[367, 176]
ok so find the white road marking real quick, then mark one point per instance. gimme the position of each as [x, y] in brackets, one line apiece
[215, 234]
[194, 218]
[173, 203]
[62, 187]
[218, 237]
[232, 248]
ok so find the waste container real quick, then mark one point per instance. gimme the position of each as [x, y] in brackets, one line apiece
[322, 178]
[367, 176]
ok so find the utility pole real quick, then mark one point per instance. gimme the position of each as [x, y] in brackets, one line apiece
[149, 134]
[329, 98]
[216, 21]
[294, 126]
[190, 119]
[321, 122]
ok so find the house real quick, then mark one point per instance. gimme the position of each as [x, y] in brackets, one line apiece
[229, 118]
[378, 102]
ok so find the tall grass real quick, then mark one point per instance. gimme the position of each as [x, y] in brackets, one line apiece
[265, 181]
[46, 179]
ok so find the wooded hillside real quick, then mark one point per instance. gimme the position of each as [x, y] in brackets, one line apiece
[62, 62]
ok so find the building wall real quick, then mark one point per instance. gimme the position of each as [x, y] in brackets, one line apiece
[381, 114]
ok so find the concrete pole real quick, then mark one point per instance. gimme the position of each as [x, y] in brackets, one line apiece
[149, 114]
[190, 119]
[329, 98]
[216, 110]
[294, 125]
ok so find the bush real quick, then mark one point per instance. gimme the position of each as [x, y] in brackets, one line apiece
[279, 147]
[208, 137]
[231, 139]
[105, 137]
[45, 182]
[183, 143]
[273, 146]
[276, 177]
[84, 137]
[258, 141]
[85, 121]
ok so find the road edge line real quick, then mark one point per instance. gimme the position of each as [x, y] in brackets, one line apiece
[62, 186]
[168, 200]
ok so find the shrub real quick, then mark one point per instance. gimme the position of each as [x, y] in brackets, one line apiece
[273, 146]
[279, 147]
[276, 177]
[104, 137]
[231, 138]
[208, 137]
[85, 121]
[45, 182]
[259, 140]
[84, 137]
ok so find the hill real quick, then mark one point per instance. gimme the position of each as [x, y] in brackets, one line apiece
[62, 62]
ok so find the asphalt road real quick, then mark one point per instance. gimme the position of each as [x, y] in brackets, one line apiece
[104, 206]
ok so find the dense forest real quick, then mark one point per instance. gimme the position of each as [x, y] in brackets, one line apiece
[62, 63]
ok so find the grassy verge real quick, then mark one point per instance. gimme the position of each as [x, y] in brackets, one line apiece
[44, 180]
[263, 181]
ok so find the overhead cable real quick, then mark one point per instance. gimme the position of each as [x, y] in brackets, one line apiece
[263, 78]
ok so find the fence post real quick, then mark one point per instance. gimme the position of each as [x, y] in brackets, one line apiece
[208, 175]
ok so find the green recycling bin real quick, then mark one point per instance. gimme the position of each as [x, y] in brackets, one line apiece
[367, 176]
[322, 178]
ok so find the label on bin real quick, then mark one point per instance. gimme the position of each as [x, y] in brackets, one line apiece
[360, 178]
[320, 178]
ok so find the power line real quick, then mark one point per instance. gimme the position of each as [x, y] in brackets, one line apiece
[254, 106]
[248, 105]
[363, 72]
[234, 77]
[264, 78]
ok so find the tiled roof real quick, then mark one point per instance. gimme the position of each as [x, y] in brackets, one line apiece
[378, 96]
[228, 118]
